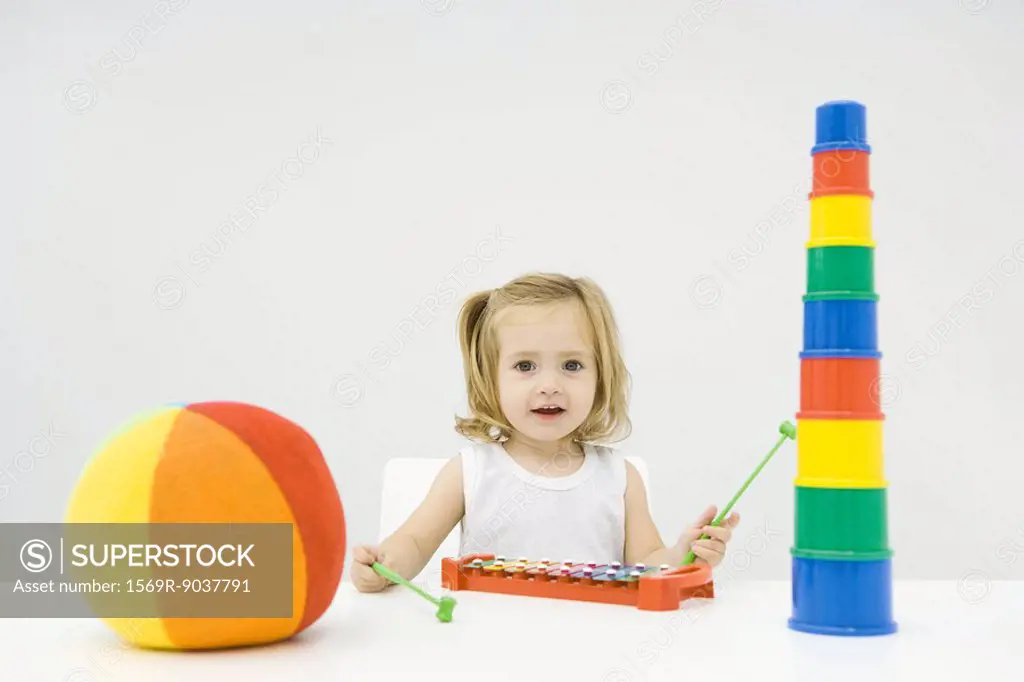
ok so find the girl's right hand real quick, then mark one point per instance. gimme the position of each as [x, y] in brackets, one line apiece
[364, 577]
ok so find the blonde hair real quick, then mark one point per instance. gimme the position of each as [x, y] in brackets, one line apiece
[608, 420]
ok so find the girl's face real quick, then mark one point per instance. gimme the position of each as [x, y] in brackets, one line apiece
[547, 374]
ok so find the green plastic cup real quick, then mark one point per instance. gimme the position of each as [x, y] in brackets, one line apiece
[846, 524]
[841, 272]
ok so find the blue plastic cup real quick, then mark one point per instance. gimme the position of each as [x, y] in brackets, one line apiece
[845, 598]
[841, 125]
[840, 328]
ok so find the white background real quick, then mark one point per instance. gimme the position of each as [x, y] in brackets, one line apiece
[661, 148]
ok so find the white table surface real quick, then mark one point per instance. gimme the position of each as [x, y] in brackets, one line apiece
[945, 633]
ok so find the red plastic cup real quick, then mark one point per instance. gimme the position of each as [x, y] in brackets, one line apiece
[842, 171]
[840, 388]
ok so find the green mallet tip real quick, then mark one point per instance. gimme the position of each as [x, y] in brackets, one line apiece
[445, 607]
[787, 429]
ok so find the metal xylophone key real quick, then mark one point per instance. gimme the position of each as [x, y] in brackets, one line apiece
[569, 571]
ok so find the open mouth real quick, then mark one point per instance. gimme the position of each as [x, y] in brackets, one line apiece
[548, 410]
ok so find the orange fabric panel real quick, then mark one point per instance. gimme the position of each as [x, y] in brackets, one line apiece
[297, 465]
[207, 474]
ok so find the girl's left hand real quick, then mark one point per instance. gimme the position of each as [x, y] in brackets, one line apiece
[711, 550]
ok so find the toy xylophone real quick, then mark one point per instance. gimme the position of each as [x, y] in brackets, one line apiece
[649, 588]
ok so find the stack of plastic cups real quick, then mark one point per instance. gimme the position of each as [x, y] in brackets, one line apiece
[842, 565]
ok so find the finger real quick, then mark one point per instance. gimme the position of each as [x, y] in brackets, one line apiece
[732, 521]
[712, 550]
[707, 554]
[691, 535]
[373, 580]
[716, 545]
[704, 555]
[369, 587]
[367, 579]
[707, 517]
[365, 555]
[718, 533]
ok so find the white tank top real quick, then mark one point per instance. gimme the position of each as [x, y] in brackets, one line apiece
[514, 513]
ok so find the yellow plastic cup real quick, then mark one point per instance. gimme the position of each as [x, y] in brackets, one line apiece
[840, 453]
[841, 220]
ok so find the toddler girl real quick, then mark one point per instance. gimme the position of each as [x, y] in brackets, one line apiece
[547, 390]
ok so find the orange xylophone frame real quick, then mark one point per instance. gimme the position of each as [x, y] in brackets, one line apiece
[658, 590]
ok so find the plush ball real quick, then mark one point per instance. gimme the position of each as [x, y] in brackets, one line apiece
[220, 462]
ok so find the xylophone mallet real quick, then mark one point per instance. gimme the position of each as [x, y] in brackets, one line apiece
[788, 431]
[445, 605]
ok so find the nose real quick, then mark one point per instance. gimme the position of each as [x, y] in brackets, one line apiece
[548, 385]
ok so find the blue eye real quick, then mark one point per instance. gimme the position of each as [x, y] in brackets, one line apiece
[574, 362]
[519, 365]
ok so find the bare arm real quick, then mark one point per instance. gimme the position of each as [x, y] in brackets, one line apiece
[643, 541]
[644, 544]
[408, 549]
